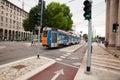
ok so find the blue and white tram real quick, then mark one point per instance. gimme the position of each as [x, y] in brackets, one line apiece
[52, 37]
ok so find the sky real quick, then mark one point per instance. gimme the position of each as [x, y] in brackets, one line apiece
[76, 7]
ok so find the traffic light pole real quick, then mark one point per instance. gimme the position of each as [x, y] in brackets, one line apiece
[39, 27]
[115, 43]
[89, 46]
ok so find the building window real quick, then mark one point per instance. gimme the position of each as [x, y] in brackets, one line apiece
[2, 7]
[7, 4]
[1, 18]
[11, 11]
[6, 25]
[6, 14]
[10, 26]
[14, 17]
[6, 20]
[10, 15]
[10, 21]
[10, 6]
[1, 24]
[2, 12]
[14, 22]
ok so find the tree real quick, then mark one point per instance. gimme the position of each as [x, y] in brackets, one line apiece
[26, 24]
[85, 36]
[32, 18]
[58, 16]
[29, 23]
[55, 15]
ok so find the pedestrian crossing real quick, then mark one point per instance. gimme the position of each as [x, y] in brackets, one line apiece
[71, 48]
[102, 59]
[107, 61]
[1, 47]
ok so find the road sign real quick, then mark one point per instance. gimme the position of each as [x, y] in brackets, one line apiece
[81, 32]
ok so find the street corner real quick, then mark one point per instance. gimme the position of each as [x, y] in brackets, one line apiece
[25, 68]
[39, 68]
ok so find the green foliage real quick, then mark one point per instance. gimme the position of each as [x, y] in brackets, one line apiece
[55, 15]
[32, 18]
[26, 24]
[58, 16]
[85, 36]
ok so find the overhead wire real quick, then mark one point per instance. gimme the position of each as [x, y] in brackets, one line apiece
[27, 4]
[94, 6]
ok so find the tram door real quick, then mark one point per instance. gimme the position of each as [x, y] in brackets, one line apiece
[54, 39]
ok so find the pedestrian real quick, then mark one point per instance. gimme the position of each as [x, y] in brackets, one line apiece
[32, 43]
[106, 44]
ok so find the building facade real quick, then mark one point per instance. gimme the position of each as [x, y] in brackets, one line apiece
[11, 20]
[112, 16]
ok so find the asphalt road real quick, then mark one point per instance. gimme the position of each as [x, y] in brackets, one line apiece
[12, 51]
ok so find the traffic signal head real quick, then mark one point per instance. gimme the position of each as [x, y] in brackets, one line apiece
[115, 27]
[37, 18]
[43, 6]
[87, 9]
[40, 2]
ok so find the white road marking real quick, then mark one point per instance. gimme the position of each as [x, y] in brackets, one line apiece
[68, 64]
[1, 47]
[74, 58]
[57, 73]
[68, 53]
[62, 57]
[58, 59]
[76, 64]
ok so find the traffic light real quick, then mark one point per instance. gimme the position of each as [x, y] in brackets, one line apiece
[37, 18]
[40, 2]
[43, 6]
[87, 9]
[115, 27]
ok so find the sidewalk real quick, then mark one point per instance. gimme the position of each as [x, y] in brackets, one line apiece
[104, 66]
[25, 68]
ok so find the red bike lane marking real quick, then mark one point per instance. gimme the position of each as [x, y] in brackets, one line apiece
[57, 71]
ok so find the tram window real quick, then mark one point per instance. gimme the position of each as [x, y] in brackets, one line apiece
[45, 34]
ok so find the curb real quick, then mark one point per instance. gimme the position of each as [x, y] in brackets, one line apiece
[78, 47]
[4, 65]
[37, 70]
[77, 77]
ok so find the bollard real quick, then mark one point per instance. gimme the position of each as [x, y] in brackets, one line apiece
[91, 48]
